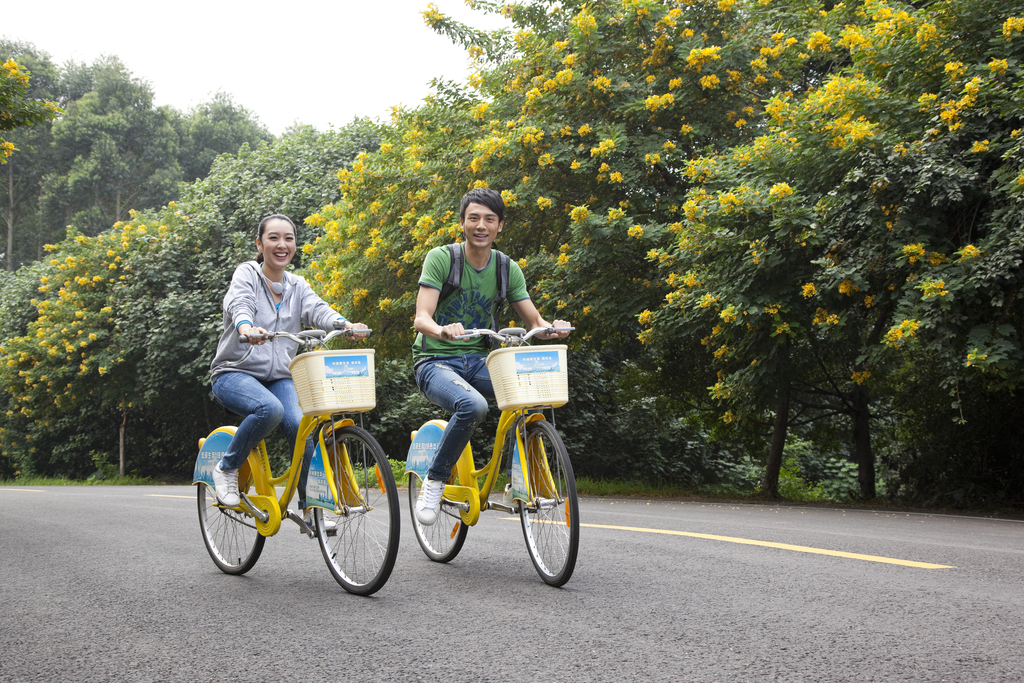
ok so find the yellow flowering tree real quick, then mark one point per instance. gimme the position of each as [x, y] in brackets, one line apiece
[880, 214]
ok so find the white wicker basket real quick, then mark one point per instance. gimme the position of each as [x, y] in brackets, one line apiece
[334, 381]
[529, 376]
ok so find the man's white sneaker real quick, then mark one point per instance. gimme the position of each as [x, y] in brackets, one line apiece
[429, 501]
[307, 517]
[226, 484]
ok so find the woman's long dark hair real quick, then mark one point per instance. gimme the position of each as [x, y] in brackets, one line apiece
[263, 228]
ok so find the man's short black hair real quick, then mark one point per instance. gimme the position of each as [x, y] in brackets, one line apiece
[486, 196]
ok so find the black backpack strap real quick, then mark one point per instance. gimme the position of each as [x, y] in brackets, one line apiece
[452, 283]
[502, 268]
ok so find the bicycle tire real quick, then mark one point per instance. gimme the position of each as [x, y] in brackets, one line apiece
[551, 525]
[442, 540]
[362, 549]
[230, 536]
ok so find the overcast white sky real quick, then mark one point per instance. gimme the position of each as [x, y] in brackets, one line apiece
[308, 61]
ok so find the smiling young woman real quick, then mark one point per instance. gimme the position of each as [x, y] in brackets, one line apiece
[253, 380]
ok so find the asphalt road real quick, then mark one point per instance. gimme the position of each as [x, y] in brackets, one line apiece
[114, 584]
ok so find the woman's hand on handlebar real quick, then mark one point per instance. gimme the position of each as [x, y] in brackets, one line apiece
[256, 335]
[356, 330]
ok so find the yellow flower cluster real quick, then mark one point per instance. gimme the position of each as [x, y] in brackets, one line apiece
[913, 252]
[896, 336]
[969, 252]
[655, 102]
[860, 376]
[809, 290]
[699, 57]
[709, 82]
[823, 317]
[579, 213]
[819, 42]
[636, 232]
[848, 288]
[1011, 26]
[543, 203]
[932, 288]
[584, 22]
[603, 148]
[780, 190]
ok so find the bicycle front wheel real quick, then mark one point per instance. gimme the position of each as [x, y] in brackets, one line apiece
[550, 521]
[230, 536]
[442, 540]
[361, 549]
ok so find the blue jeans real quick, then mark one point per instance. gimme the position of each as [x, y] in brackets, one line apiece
[264, 405]
[460, 385]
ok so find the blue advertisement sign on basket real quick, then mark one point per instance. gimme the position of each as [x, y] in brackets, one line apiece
[346, 366]
[422, 449]
[318, 490]
[537, 361]
[209, 455]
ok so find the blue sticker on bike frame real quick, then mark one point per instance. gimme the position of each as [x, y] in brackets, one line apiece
[520, 480]
[209, 455]
[537, 361]
[422, 450]
[346, 366]
[318, 491]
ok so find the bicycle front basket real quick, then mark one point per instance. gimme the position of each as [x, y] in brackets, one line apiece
[528, 376]
[334, 381]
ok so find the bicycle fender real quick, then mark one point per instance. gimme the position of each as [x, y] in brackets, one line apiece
[211, 450]
[424, 445]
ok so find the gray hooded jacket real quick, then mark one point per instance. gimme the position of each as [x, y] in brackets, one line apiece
[249, 299]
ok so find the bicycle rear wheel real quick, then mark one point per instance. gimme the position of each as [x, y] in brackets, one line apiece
[550, 522]
[230, 536]
[361, 550]
[442, 540]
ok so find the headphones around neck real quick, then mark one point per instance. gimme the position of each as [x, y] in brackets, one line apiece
[275, 287]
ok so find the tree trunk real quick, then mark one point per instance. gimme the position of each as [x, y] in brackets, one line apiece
[124, 419]
[862, 443]
[10, 217]
[771, 476]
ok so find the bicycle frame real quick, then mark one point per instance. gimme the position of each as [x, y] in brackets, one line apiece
[264, 505]
[471, 497]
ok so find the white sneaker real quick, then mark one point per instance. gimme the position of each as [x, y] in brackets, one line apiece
[225, 482]
[429, 501]
[307, 517]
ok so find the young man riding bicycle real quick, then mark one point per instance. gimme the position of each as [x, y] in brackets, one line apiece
[452, 373]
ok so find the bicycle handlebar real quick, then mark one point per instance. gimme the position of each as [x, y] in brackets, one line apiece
[511, 334]
[311, 338]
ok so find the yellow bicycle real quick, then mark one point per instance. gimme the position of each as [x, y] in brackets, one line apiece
[541, 488]
[350, 484]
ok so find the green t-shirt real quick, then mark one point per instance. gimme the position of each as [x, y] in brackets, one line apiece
[471, 306]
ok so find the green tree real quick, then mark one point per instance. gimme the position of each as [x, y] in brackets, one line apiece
[119, 328]
[213, 128]
[877, 218]
[114, 151]
[23, 102]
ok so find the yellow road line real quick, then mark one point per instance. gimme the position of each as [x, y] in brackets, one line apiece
[164, 495]
[780, 546]
[769, 544]
[8, 488]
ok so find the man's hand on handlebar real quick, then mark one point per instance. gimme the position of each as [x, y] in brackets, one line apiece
[558, 334]
[450, 332]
